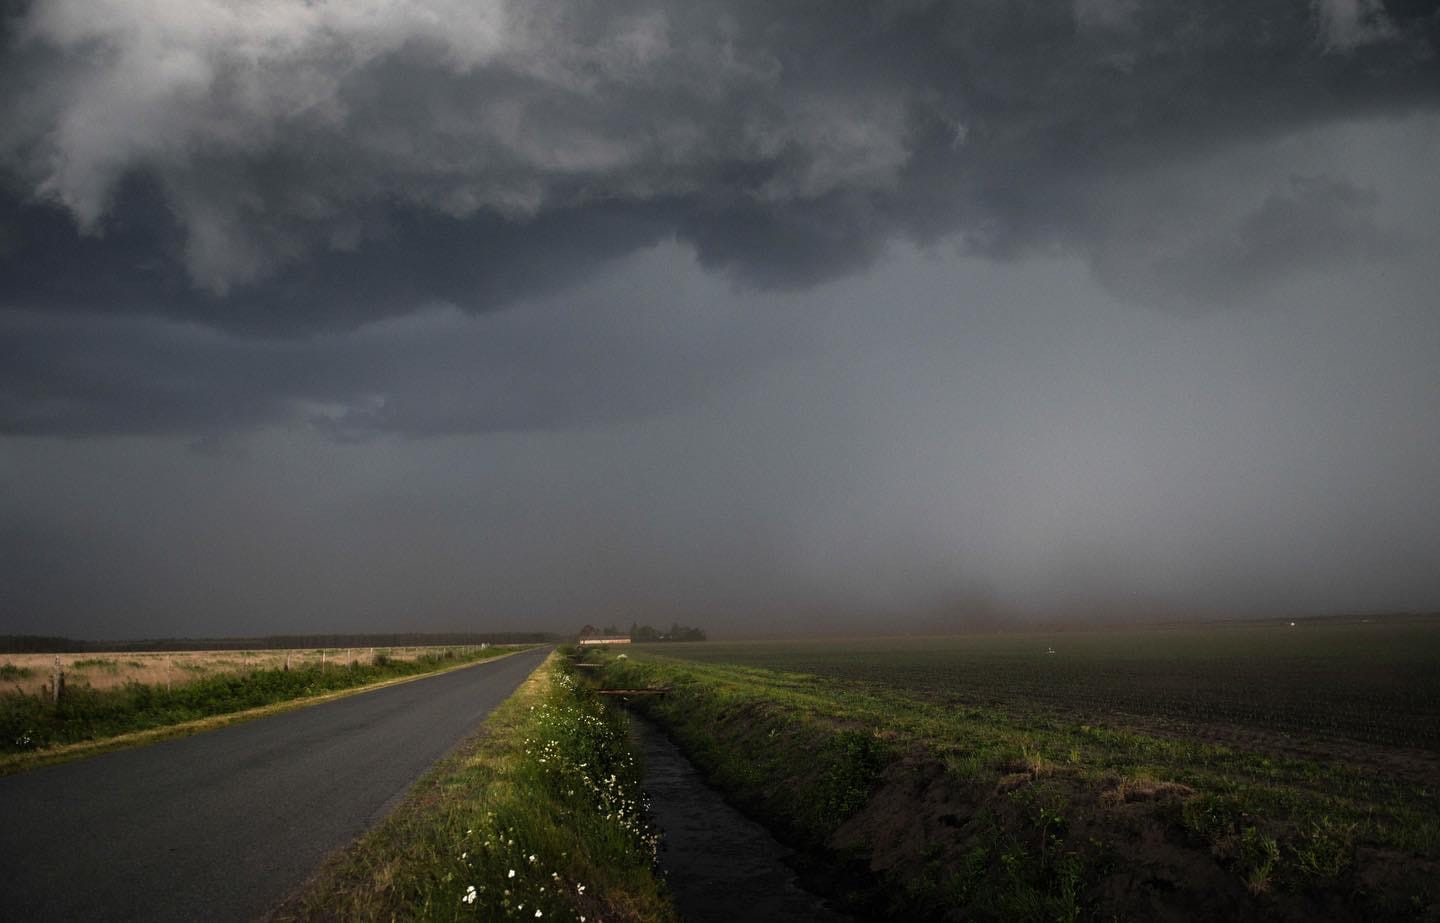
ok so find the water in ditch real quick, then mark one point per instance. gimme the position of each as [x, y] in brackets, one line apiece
[721, 866]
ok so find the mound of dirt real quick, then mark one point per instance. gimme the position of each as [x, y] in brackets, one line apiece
[951, 848]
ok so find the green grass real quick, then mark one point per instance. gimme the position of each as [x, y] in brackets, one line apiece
[31, 722]
[1038, 808]
[539, 817]
[9, 671]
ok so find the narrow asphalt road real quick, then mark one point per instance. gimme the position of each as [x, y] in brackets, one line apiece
[221, 825]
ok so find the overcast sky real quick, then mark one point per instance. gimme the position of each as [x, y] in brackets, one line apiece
[445, 314]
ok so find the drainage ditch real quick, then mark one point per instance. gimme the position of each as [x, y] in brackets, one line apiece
[720, 865]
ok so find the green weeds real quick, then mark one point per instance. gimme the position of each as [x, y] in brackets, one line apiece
[851, 763]
[1212, 819]
[1259, 854]
[1323, 849]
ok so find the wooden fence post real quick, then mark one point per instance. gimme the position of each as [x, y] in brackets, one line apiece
[57, 681]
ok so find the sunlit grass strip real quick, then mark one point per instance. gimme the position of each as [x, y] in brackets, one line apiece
[91, 721]
[540, 816]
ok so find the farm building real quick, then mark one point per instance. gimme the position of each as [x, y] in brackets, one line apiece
[591, 635]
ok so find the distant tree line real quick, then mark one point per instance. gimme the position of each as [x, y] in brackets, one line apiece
[38, 644]
[640, 634]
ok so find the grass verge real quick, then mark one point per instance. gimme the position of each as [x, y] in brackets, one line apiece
[926, 810]
[36, 733]
[539, 816]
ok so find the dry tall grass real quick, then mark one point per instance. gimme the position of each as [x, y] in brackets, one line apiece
[159, 668]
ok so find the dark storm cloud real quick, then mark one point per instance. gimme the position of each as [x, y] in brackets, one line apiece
[303, 159]
[619, 352]
[482, 262]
